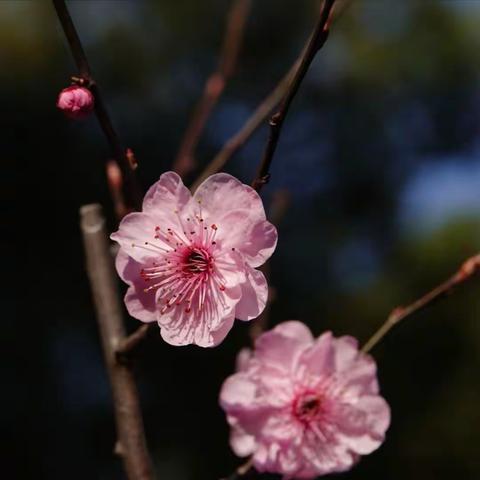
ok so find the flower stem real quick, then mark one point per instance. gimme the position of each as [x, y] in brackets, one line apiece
[129, 344]
[466, 272]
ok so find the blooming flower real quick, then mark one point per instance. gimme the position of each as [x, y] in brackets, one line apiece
[190, 260]
[76, 101]
[304, 407]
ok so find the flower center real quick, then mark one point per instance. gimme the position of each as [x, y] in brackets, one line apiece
[307, 406]
[198, 260]
[185, 273]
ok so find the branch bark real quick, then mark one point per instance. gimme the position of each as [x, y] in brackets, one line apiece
[316, 42]
[255, 121]
[131, 443]
[261, 113]
[129, 344]
[115, 185]
[215, 85]
[466, 272]
[118, 151]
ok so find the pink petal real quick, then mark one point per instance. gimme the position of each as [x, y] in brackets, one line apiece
[135, 229]
[205, 328]
[362, 426]
[359, 371]
[320, 357]
[241, 442]
[196, 334]
[280, 428]
[217, 336]
[254, 295]
[168, 193]
[333, 457]
[255, 238]
[280, 346]
[295, 330]
[221, 193]
[232, 268]
[238, 391]
[378, 412]
[140, 305]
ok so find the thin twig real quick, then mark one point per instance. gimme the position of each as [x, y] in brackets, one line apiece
[261, 113]
[115, 185]
[118, 151]
[467, 271]
[241, 471]
[130, 343]
[316, 42]
[131, 443]
[215, 85]
[255, 121]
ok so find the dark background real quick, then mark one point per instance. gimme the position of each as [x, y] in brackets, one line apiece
[381, 155]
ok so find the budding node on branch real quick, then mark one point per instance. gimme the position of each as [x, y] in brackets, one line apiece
[132, 159]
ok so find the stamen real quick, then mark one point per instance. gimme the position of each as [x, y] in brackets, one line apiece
[185, 276]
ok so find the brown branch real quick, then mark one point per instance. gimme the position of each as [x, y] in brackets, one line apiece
[115, 185]
[316, 42]
[128, 345]
[215, 85]
[255, 121]
[261, 113]
[108, 306]
[467, 271]
[118, 151]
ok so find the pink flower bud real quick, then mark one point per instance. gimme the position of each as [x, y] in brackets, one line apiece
[75, 101]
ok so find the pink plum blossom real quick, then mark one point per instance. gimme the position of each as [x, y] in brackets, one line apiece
[304, 407]
[75, 101]
[190, 261]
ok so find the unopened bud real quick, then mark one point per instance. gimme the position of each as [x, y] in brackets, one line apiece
[114, 175]
[75, 101]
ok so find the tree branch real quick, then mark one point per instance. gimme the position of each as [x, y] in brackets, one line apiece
[108, 305]
[316, 42]
[255, 121]
[215, 85]
[467, 271]
[128, 345]
[115, 185]
[118, 151]
[261, 113]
